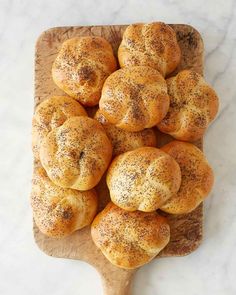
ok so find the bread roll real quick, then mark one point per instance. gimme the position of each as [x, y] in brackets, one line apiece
[154, 45]
[52, 113]
[129, 239]
[81, 67]
[76, 154]
[143, 179]
[124, 141]
[58, 211]
[134, 98]
[193, 105]
[197, 177]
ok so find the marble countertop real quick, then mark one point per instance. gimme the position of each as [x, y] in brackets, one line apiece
[24, 268]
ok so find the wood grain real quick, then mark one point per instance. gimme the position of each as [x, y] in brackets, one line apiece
[186, 230]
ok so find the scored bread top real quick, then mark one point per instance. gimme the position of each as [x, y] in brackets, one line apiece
[197, 177]
[60, 211]
[76, 154]
[193, 105]
[129, 239]
[143, 179]
[81, 67]
[134, 98]
[52, 113]
[154, 45]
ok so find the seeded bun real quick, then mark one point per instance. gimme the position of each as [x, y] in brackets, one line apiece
[129, 239]
[57, 211]
[76, 154]
[197, 177]
[154, 45]
[52, 113]
[134, 98]
[81, 67]
[143, 179]
[193, 105]
[124, 141]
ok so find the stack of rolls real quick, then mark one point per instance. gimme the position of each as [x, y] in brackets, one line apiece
[110, 164]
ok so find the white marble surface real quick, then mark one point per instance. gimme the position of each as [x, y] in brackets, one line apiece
[23, 268]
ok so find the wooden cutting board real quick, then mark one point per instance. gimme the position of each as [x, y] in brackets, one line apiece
[186, 230]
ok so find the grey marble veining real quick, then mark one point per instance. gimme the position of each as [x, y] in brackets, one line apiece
[24, 269]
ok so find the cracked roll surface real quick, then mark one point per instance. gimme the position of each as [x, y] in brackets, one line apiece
[143, 179]
[129, 239]
[193, 105]
[154, 45]
[124, 141]
[81, 67]
[197, 177]
[60, 211]
[52, 113]
[134, 98]
[76, 154]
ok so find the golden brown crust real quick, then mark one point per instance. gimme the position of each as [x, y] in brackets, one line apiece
[58, 211]
[143, 179]
[81, 67]
[76, 154]
[197, 177]
[193, 105]
[52, 113]
[129, 239]
[134, 98]
[154, 45]
[124, 141]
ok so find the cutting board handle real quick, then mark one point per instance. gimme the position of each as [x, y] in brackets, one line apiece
[117, 282]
